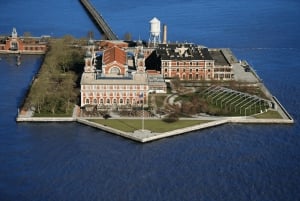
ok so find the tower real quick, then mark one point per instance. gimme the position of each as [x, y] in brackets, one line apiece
[164, 34]
[154, 38]
[89, 58]
[14, 33]
[140, 61]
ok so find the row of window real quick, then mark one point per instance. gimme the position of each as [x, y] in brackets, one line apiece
[113, 101]
[192, 77]
[114, 87]
[184, 70]
[222, 76]
[222, 69]
[191, 63]
[114, 94]
[36, 48]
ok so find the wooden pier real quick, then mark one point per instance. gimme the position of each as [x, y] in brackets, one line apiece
[99, 20]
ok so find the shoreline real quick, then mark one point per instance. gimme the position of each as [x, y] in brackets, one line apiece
[144, 136]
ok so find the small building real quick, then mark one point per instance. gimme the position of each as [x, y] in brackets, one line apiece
[222, 69]
[156, 82]
[23, 45]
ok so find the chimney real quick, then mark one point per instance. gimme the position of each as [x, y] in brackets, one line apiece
[165, 34]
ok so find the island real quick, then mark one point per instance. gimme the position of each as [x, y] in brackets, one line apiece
[146, 90]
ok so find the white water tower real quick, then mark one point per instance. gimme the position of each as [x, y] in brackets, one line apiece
[154, 31]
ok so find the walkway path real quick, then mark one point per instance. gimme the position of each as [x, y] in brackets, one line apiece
[99, 20]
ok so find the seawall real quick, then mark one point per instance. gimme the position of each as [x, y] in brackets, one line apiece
[147, 136]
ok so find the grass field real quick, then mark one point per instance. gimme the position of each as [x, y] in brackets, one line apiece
[269, 115]
[157, 126]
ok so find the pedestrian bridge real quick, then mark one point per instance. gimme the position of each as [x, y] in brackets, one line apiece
[99, 21]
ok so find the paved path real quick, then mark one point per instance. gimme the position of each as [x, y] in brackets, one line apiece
[241, 75]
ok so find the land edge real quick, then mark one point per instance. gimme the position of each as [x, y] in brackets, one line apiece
[144, 136]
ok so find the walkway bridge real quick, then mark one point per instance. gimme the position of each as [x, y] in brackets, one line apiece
[99, 20]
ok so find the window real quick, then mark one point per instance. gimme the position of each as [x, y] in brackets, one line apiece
[115, 71]
[14, 46]
[95, 101]
[87, 101]
[107, 101]
[121, 101]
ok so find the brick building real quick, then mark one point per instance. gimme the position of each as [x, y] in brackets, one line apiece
[189, 62]
[24, 45]
[114, 86]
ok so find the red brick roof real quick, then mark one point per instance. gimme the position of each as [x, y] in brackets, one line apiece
[114, 54]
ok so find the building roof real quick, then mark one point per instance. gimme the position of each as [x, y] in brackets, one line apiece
[155, 79]
[114, 54]
[218, 57]
[183, 51]
[89, 79]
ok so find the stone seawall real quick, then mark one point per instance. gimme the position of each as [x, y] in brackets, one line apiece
[147, 136]
[109, 129]
[45, 119]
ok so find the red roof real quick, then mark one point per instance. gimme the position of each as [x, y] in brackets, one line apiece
[114, 54]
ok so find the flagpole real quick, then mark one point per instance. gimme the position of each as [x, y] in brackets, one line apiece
[143, 123]
[141, 97]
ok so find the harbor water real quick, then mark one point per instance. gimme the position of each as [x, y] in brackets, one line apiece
[70, 161]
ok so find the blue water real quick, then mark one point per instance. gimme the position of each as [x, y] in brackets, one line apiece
[69, 161]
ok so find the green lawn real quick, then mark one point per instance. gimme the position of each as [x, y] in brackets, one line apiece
[157, 126]
[48, 114]
[270, 114]
[51, 115]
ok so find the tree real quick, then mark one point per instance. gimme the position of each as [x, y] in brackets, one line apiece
[175, 83]
[127, 36]
[170, 118]
[54, 90]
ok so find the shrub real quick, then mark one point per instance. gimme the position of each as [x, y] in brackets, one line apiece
[170, 118]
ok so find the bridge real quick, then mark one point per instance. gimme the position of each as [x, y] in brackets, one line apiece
[99, 21]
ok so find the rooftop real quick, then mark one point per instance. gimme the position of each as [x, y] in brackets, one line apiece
[183, 51]
[114, 54]
[90, 79]
[218, 57]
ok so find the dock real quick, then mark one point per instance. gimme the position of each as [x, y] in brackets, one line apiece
[102, 25]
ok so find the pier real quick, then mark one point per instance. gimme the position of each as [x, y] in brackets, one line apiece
[99, 20]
